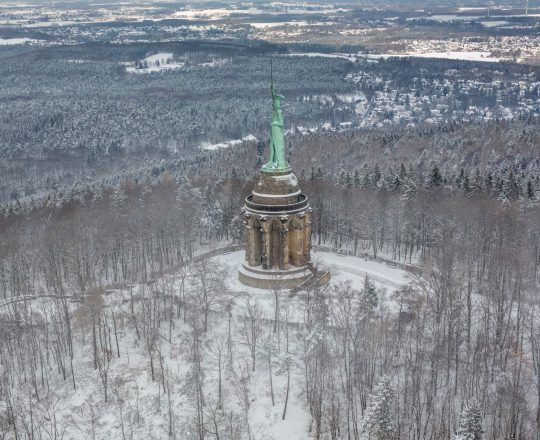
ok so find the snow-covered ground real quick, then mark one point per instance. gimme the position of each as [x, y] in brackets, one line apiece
[450, 55]
[267, 418]
[258, 25]
[343, 268]
[155, 63]
[139, 407]
[14, 41]
[227, 144]
[355, 269]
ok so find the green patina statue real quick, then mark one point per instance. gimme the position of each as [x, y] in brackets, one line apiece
[276, 160]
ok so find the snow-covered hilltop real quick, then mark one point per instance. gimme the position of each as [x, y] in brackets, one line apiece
[408, 235]
[185, 353]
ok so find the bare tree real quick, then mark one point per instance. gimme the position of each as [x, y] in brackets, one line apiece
[251, 329]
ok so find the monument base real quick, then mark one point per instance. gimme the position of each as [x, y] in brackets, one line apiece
[273, 279]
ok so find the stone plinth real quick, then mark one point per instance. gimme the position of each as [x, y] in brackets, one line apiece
[273, 279]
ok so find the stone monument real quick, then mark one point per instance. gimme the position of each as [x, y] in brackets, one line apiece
[277, 220]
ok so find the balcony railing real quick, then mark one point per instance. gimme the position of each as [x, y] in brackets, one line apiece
[296, 206]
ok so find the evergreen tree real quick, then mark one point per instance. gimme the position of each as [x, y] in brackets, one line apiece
[369, 294]
[119, 199]
[461, 177]
[213, 218]
[409, 191]
[387, 180]
[435, 177]
[312, 175]
[261, 148]
[396, 184]
[348, 180]
[476, 181]
[530, 190]
[356, 179]
[376, 176]
[498, 188]
[342, 180]
[509, 187]
[378, 421]
[466, 185]
[402, 172]
[364, 176]
[470, 425]
[237, 229]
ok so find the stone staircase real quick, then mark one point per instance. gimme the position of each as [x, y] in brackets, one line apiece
[317, 279]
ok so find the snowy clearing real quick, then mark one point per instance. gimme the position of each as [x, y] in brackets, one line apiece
[155, 63]
[343, 268]
[278, 24]
[226, 144]
[15, 41]
[456, 55]
[450, 55]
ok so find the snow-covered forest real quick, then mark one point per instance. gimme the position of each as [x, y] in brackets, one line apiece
[111, 324]
[87, 116]
[130, 136]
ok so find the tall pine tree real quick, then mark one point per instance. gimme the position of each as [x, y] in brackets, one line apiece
[470, 425]
[379, 420]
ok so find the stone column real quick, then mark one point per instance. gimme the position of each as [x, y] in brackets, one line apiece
[253, 242]
[247, 241]
[265, 240]
[257, 244]
[307, 237]
[299, 242]
[284, 243]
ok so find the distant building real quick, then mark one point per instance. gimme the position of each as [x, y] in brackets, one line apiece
[277, 221]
